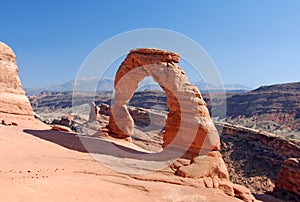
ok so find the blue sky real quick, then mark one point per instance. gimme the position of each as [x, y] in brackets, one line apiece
[251, 42]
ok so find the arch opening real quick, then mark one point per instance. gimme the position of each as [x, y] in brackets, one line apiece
[188, 125]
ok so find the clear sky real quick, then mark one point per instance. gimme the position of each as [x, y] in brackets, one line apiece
[251, 42]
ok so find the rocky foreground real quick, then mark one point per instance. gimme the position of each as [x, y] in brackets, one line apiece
[34, 169]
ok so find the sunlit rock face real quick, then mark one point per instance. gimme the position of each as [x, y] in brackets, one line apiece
[188, 126]
[14, 104]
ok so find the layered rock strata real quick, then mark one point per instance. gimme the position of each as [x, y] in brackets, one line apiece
[288, 180]
[14, 105]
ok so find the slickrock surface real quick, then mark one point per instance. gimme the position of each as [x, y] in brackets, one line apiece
[188, 125]
[14, 105]
[34, 167]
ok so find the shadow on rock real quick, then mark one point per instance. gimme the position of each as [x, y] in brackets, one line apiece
[94, 145]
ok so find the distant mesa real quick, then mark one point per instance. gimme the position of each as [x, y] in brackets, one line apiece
[14, 105]
[274, 108]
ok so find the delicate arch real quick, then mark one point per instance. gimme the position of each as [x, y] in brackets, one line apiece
[188, 125]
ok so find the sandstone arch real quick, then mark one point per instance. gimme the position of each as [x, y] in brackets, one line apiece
[188, 125]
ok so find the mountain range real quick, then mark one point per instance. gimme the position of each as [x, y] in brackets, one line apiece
[107, 84]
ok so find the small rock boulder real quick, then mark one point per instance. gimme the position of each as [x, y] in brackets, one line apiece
[211, 165]
[242, 193]
[61, 128]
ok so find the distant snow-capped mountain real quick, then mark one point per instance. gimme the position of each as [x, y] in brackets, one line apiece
[82, 84]
[107, 84]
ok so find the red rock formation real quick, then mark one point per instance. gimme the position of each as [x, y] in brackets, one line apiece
[188, 126]
[14, 105]
[211, 166]
[289, 176]
[94, 113]
[281, 146]
[62, 128]
[67, 120]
